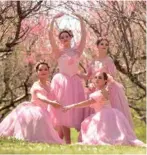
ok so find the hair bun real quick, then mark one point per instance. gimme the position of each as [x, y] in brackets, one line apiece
[101, 38]
[41, 62]
[66, 31]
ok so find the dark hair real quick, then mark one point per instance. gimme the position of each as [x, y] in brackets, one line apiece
[42, 62]
[105, 76]
[101, 39]
[69, 32]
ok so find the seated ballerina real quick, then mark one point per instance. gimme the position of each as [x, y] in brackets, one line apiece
[107, 126]
[31, 121]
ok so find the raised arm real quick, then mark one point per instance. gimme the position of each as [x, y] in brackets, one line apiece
[55, 48]
[82, 43]
[46, 100]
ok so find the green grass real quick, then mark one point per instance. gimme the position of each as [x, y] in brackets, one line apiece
[20, 147]
[13, 146]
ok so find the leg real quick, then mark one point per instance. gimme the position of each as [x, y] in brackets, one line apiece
[60, 131]
[66, 132]
[80, 137]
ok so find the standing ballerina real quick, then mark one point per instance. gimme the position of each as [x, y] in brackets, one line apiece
[31, 121]
[107, 126]
[104, 63]
[66, 84]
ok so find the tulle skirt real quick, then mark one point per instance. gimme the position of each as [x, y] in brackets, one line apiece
[68, 90]
[31, 123]
[119, 101]
[108, 127]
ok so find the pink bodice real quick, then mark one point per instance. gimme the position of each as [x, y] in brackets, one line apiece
[104, 65]
[68, 62]
[101, 102]
[46, 92]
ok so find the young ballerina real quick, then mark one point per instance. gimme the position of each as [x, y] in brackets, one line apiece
[66, 84]
[108, 126]
[31, 121]
[105, 63]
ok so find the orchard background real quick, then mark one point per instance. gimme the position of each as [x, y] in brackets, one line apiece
[24, 40]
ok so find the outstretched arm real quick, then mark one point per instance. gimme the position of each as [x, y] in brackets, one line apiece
[55, 48]
[83, 34]
[79, 105]
[46, 100]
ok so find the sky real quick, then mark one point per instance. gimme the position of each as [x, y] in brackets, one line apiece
[71, 23]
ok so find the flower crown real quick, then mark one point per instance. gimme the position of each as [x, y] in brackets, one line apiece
[103, 38]
[41, 62]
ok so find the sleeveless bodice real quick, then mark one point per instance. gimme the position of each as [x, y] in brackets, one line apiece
[104, 65]
[68, 62]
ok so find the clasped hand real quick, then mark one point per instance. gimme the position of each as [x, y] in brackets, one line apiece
[66, 108]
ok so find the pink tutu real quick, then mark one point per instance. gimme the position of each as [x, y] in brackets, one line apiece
[107, 126]
[119, 101]
[31, 121]
[68, 90]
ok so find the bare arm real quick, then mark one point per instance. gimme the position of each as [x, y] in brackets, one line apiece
[83, 35]
[79, 105]
[46, 100]
[88, 74]
[55, 48]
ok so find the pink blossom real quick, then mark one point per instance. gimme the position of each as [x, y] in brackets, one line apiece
[110, 78]
[59, 15]
[131, 7]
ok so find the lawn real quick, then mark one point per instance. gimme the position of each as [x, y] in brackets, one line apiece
[20, 147]
[13, 146]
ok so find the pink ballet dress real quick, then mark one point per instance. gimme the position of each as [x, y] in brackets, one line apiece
[68, 89]
[31, 121]
[118, 98]
[108, 126]
[88, 91]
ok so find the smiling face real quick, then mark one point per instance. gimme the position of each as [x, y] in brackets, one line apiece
[43, 71]
[65, 38]
[103, 46]
[100, 80]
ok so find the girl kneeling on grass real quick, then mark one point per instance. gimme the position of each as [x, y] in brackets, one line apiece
[31, 121]
[107, 126]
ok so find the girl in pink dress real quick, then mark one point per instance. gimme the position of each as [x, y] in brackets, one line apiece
[66, 84]
[108, 126]
[104, 63]
[31, 121]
